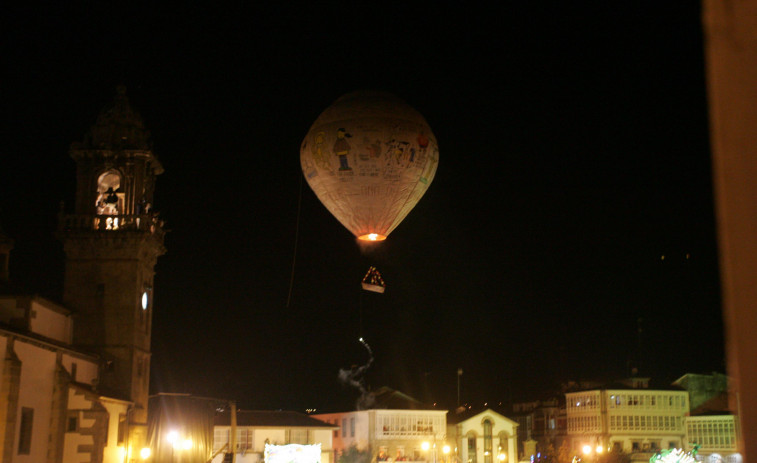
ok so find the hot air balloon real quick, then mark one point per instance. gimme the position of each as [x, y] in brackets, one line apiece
[369, 158]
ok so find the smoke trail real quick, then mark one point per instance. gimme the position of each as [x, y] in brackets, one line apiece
[354, 377]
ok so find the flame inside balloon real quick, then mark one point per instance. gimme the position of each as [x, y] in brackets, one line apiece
[369, 158]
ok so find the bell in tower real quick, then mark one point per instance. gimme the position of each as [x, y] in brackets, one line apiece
[112, 241]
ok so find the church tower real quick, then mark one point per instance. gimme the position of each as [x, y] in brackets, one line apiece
[112, 242]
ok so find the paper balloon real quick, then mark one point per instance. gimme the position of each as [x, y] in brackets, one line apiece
[369, 158]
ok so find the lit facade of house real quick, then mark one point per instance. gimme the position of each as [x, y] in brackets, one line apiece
[543, 421]
[716, 437]
[50, 406]
[482, 436]
[394, 429]
[710, 425]
[636, 420]
[255, 429]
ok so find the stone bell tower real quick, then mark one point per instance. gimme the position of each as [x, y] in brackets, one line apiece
[112, 242]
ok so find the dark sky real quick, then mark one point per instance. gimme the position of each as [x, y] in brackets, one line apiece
[573, 155]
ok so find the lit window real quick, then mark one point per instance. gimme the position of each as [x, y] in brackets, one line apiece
[487, 441]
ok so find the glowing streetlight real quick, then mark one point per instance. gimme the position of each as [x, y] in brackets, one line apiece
[502, 456]
[599, 449]
[187, 444]
[172, 437]
[587, 449]
[445, 449]
[145, 453]
[425, 446]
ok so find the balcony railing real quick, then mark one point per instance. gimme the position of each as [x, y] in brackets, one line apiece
[143, 222]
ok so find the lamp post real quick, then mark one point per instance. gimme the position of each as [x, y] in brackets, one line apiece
[425, 446]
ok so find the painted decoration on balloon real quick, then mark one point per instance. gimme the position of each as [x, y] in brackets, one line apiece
[369, 158]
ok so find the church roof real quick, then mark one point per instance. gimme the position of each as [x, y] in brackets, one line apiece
[388, 398]
[118, 127]
[460, 415]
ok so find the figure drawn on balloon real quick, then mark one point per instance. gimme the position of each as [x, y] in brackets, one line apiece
[319, 156]
[374, 149]
[342, 149]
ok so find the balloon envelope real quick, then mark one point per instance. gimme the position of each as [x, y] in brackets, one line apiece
[369, 158]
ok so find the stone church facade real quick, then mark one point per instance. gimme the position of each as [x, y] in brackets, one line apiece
[74, 381]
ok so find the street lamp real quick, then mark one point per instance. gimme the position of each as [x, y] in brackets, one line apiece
[177, 443]
[425, 446]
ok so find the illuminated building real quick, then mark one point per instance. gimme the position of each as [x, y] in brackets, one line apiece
[255, 429]
[542, 421]
[75, 376]
[394, 428]
[52, 407]
[482, 436]
[710, 425]
[627, 416]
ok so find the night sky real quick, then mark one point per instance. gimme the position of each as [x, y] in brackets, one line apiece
[574, 155]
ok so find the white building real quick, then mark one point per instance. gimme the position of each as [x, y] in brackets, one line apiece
[396, 428]
[627, 417]
[716, 437]
[711, 426]
[482, 436]
[255, 429]
[50, 405]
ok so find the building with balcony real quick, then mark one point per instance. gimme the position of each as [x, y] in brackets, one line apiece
[542, 421]
[710, 425]
[397, 427]
[627, 416]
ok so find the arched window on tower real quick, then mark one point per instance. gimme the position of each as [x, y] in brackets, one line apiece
[110, 199]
